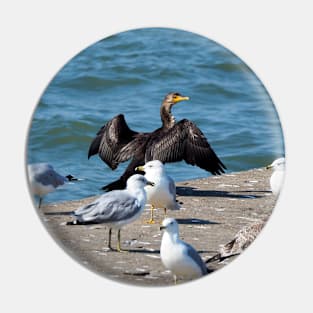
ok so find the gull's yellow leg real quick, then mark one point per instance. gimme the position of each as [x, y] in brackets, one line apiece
[118, 247]
[175, 280]
[110, 235]
[39, 203]
[165, 215]
[151, 221]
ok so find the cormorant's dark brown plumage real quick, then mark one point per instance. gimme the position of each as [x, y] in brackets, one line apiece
[116, 143]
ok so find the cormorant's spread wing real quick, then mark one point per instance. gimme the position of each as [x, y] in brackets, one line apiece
[135, 147]
[184, 141]
[110, 139]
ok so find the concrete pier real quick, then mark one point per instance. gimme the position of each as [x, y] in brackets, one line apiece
[213, 210]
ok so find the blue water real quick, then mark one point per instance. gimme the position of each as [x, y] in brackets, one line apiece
[130, 73]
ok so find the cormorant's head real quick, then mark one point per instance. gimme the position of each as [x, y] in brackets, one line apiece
[174, 97]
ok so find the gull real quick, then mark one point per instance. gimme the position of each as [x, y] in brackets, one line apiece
[43, 179]
[116, 208]
[163, 193]
[277, 177]
[243, 238]
[178, 256]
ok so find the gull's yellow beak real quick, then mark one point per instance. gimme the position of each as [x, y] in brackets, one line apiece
[268, 167]
[179, 98]
[150, 183]
[140, 168]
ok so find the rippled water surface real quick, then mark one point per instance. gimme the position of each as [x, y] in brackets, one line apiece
[130, 73]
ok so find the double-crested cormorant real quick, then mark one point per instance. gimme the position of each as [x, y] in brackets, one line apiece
[172, 142]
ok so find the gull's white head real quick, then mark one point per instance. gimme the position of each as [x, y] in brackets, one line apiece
[138, 181]
[151, 167]
[169, 225]
[278, 164]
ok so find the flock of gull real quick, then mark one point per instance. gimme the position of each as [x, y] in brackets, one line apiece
[145, 181]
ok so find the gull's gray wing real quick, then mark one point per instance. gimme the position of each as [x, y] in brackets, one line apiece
[192, 253]
[172, 189]
[172, 186]
[111, 207]
[46, 175]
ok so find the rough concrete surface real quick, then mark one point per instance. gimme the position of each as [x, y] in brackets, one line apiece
[213, 210]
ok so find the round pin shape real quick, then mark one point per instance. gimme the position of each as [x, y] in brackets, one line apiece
[145, 95]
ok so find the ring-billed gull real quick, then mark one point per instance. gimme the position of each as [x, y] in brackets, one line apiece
[115, 208]
[178, 256]
[43, 179]
[163, 193]
[243, 238]
[277, 177]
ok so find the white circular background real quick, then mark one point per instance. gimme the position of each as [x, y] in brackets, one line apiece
[274, 38]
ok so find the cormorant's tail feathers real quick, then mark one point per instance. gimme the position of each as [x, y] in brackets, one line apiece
[116, 185]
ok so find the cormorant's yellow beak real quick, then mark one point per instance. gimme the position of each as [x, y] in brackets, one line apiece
[180, 98]
[140, 168]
